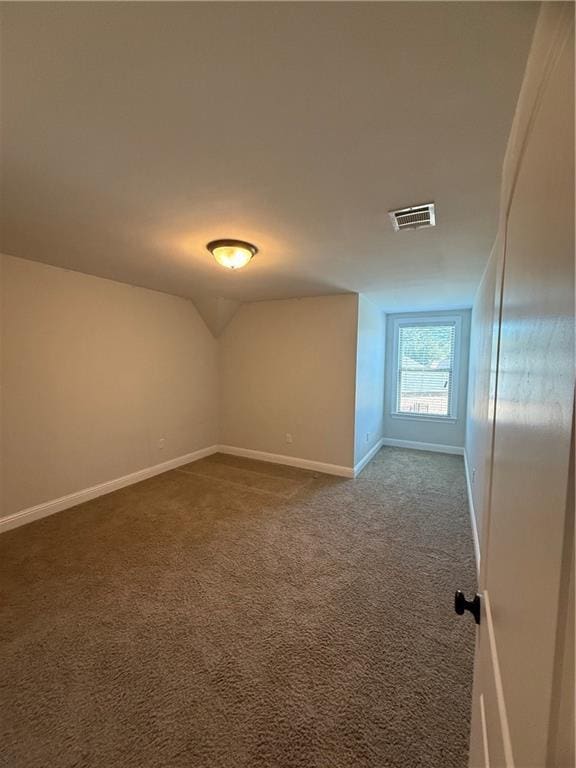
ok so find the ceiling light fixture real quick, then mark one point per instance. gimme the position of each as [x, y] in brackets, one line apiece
[232, 254]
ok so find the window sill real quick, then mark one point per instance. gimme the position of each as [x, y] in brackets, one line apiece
[424, 417]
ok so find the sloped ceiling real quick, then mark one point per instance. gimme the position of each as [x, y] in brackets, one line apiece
[134, 133]
[216, 311]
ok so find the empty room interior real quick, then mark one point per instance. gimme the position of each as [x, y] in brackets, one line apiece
[287, 384]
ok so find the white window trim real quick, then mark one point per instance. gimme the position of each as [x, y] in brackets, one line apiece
[427, 321]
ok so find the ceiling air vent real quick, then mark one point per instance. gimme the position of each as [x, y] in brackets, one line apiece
[416, 217]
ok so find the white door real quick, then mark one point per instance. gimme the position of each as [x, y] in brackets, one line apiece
[526, 560]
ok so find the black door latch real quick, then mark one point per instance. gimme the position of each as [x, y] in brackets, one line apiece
[461, 605]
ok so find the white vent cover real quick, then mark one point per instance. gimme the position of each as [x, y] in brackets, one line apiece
[415, 217]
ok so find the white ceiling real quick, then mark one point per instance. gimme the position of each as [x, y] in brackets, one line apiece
[134, 133]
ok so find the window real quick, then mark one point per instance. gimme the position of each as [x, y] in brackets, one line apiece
[426, 354]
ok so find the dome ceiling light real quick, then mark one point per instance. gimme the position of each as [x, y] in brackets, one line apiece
[232, 254]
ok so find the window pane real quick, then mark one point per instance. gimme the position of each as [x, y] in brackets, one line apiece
[424, 392]
[427, 346]
[425, 364]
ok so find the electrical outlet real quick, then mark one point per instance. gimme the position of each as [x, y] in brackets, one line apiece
[162, 443]
[288, 437]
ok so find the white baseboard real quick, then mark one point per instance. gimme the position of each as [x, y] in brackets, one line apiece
[436, 447]
[290, 461]
[72, 499]
[368, 458]
[474, 524]
[78, 497]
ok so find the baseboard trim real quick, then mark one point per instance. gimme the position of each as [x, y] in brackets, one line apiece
[290, 461]
[71, 500]
[473, 523]
[78, 497]
[435, 447]
[368, 458]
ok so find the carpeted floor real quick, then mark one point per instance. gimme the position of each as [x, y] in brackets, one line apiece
[236, 614]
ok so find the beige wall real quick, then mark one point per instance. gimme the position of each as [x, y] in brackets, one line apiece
[371, 343]
[288, 366]
[94, 374]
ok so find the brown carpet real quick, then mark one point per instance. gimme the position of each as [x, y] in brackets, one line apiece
[240, 614]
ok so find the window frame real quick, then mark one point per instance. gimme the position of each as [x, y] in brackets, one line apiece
[426, 322]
